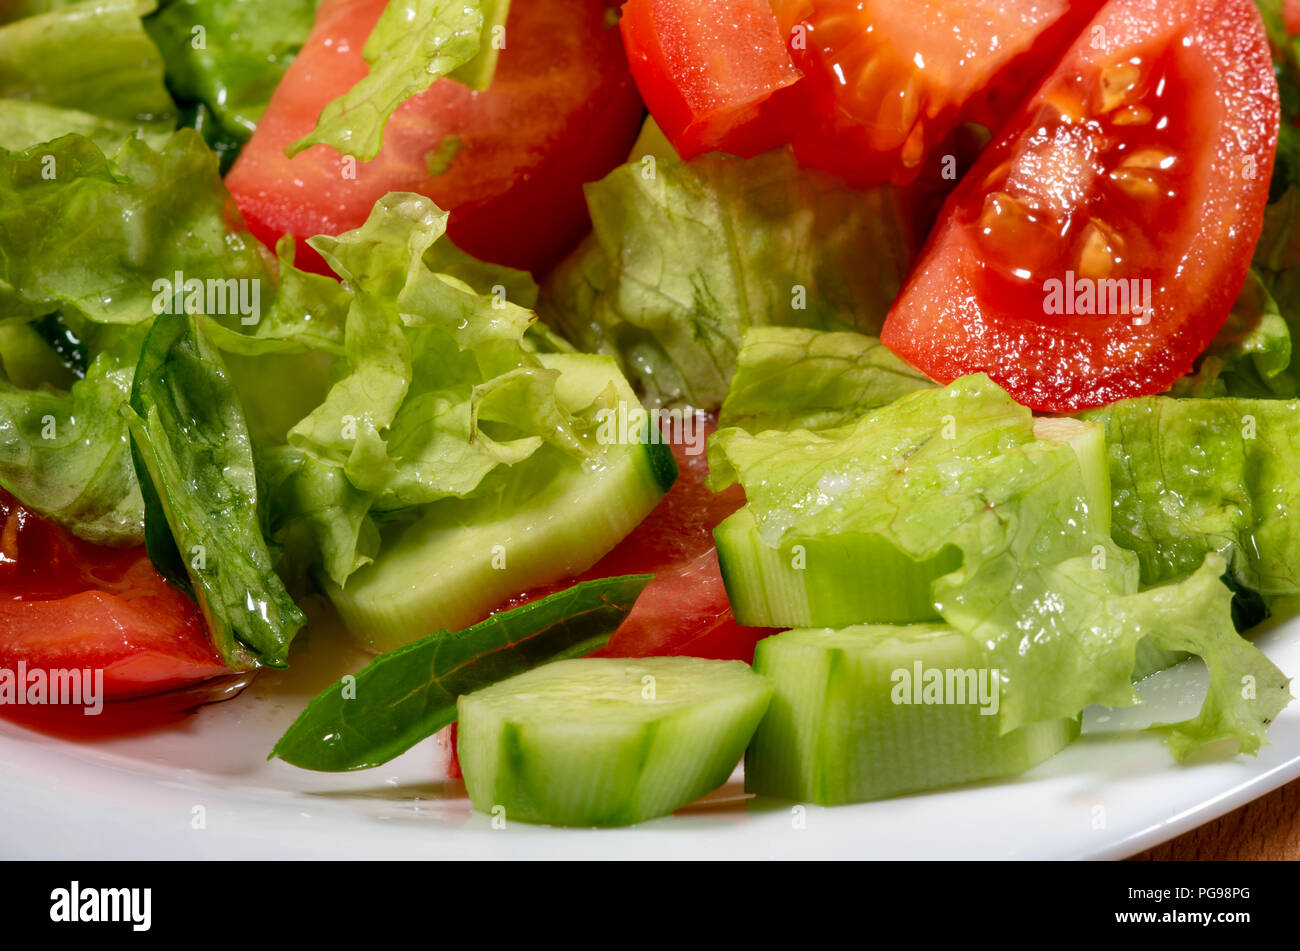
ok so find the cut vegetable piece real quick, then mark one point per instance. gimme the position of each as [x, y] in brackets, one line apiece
[874, 711]
[410, 694]
[1088, 440]
[830, 581]
[604, 741]
[549, 520]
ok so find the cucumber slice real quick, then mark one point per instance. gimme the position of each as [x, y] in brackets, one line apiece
[1088, 440]
[834, 733]
[607, 741]
[831, 581]
[462, 557]
[838, 580]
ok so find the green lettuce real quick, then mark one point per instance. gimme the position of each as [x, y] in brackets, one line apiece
[87, 68]
[194, 459]
[230, 55]
[414, 43]
[1192, 477]
[685, 256]
[1055, 603]
[795, 378]
[66, 454]
[92, 236]
[80, 251]
[438, 386]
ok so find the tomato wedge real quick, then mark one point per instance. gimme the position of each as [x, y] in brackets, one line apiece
[1098, 245]
[889, 82]
[68, 604]
[562, 110]
[705, 68]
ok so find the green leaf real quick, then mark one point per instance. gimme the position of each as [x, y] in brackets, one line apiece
[195, 464]
[67, 454]
[410, 694]
[87, 68]
[794, 378]
[437, 388]
[1194, 477]
[230, 55]
[91, 237]
[684, 257]
[414, 43]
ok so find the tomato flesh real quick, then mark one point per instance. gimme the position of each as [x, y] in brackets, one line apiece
[888, 82]
[562, 110]
[1097, 246]
[68, 604]
[705, 67]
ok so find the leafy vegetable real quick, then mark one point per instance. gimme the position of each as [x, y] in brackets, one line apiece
[1191, 477]
[437, 388]
[87, 68]
[91, 236]
[684, 257]
[194, 460]
[67, 454]
[230, 55]
[1054, 602]
[409, 694]
[414, 43]
[1250, 356]
[794, 378]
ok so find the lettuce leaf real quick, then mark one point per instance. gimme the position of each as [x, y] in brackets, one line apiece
[230, 55]
[79, 252]
[795, 378]
[67, 455]
[194, 460]
[684, 257]
[414, 43]
[1194, 477]
[438, 386]
[90, 236]
[1054, 602]
[87, 68]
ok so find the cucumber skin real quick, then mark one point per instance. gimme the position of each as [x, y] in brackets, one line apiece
[623, 771]
[832, 734]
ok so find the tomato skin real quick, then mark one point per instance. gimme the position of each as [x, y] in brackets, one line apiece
[887, 83]
[562, 110]
[65, 603]
[1050, 176]
[705, 68]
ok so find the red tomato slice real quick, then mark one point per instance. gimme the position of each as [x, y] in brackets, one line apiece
[562, 110]
[888, 82]
[1291, 16]
[1097, 246]
[704, 67]
[65, 604]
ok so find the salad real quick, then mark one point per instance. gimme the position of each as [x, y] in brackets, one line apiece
[863, 389]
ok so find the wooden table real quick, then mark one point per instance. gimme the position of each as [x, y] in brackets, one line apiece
[1267, 828]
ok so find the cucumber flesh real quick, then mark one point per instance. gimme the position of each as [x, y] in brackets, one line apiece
[849, 719]
[839, 580]
[831, 581]
[607, 741]
[554, 519]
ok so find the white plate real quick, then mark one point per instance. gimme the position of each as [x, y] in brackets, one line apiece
[1106, 796]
